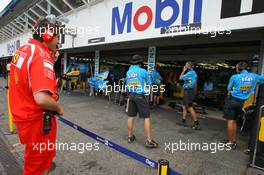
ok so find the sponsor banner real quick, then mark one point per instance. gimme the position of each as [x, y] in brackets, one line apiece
[127, 20]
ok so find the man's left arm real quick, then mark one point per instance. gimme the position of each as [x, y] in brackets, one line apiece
[148, 79]
[260, 79]
[186, 76]
[230, 84]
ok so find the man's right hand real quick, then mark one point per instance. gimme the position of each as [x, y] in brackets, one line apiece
[45, 100]
[185, 68]
[60, 111]
[183, 72]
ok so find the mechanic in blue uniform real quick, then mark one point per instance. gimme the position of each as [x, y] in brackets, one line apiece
[138, 83]
[156, 81]
[241, 86]
[189, 77]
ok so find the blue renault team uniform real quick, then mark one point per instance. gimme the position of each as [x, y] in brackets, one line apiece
[241, 86]
[156, 80]
[136, 80]
[190, 79]
[155, 77]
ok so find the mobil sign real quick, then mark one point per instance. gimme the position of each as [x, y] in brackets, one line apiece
[155, 14]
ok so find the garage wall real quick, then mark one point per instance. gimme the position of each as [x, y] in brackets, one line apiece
[8, 47]
[114, 21]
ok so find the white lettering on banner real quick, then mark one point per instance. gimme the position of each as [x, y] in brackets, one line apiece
[96, 62]
[246, 6]
[150, 163]
[76, 127]
[151, 59]
[100, 139]
[104, 141]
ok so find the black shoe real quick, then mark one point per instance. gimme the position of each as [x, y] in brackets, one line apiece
[225, 141]
[52, 167]
[131, 139]
[151, 144]
[196, 126]
[183, 120]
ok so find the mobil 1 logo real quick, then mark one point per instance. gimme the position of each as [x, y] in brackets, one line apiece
[235, 8]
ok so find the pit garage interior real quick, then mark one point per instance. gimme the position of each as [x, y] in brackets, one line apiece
[214, 58]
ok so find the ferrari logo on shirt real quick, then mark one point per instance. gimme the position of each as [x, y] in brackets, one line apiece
[18, 59]
[15, 58]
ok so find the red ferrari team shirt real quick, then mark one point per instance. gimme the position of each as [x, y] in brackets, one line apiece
[31, 72]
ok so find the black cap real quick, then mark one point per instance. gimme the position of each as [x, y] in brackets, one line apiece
[136, 59]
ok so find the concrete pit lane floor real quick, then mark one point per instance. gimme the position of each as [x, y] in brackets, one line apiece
[102, 117]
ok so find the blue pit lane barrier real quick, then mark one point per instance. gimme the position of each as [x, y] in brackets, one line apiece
[146, 161]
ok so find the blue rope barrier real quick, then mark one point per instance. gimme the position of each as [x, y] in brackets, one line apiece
[146, 161]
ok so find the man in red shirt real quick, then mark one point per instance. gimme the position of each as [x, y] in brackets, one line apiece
[32, 91]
